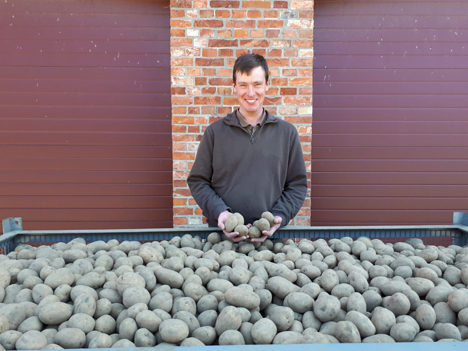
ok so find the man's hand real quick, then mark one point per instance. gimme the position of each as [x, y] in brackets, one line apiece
[267, 233]
[234, 236]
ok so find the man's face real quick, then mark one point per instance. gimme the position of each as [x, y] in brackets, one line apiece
[250, 91]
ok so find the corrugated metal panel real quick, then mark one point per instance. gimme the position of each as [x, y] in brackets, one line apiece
[389, 143]
[85, 113]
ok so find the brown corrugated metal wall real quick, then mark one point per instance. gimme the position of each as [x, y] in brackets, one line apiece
[390, 124]
[85, 113]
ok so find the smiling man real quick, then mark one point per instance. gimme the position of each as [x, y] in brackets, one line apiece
[249, 161]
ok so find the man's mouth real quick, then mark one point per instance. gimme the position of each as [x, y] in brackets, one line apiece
[251, 101]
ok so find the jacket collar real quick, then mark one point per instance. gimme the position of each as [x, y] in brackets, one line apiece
[231, 119]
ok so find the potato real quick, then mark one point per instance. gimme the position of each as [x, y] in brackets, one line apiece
[231, 337]
[173, 331]
[231, 223]
[206, 334]
[287, 337]
[254, 232]
[263, 224]
[264, 331]
[70, 338]
[326, 307]
[383, 320]
[269, 217]
[242, 298]
[403, 332]
[228, 319]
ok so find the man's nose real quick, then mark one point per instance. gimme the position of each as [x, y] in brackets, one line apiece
[251, 90]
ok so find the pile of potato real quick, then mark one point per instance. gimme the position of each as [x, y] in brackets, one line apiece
[188, 292]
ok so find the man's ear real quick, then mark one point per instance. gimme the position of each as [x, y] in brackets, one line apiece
[267, 86]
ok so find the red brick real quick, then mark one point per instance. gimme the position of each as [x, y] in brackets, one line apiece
[289, 72]
[209, 71]
[272, 91]
[193, 51]
[198, 211]
[253, 14]
[302, 4]
[240, 24]
[181, 3]
[225, 33]
[219, 43]
[208, 23]
[300, 24]
[308, 14]
[202, 4]
[181, 100]
[207, 13]
[270, 14]
[288, 91]
[257, 33]
[193, 71]
[181, 42]
[220, 81]
[209, 62]
[301, 62]
[207, 100]
[225, 52]
[298, 100]
[279, 81]
[179, 129]
[180, 220]
[201, 120]
[207, 33]
[299, 120]
[225, 72]
[300, 82]
[275, 53]
[288, 110]
[303, 43]
[177, 33]
[223, 14]
[177, 71]
[306, 34]
[305, 72]
[179, 146]
[179, 202]
[255, 43]
[194, 110]
[239, 13]
[241, 33]
[280, 4]
[274, 72]
[272, 33]
[182, 120]
[193, 91]
[289, 33]
[177, 91]
[181, 23]
[192, 201]
[177, 13]
[256, 4]
[259, 52]
[270, 24]
[176, 110]
[208, 90]
[210, 53]
[183, 137]
[225, 4]
[183, 155]
[290, 53]
[224, 91]
[193, 129]
[272, 110]
[305, 91]
[208, 110]
[273, 101]
[278, 62]
[229, 100]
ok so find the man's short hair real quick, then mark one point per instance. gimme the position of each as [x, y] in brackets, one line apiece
[247, 62]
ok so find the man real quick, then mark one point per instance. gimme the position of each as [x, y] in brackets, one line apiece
[249, 161]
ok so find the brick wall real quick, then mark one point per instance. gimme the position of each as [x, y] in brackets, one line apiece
[206, 38]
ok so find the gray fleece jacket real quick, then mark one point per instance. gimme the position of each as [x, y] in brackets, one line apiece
[249, 174]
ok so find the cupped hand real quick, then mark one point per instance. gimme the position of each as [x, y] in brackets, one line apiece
[234, 236]
[268, 233]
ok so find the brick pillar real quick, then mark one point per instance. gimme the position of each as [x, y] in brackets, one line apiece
[206, 38]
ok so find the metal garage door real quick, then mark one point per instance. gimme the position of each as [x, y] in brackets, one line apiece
[85, 114]
[390, 126]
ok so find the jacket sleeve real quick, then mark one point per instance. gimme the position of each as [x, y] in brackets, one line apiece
[295, 187]
[199, 180]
